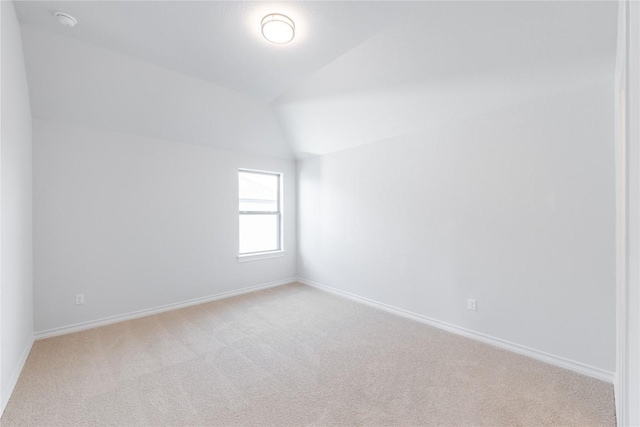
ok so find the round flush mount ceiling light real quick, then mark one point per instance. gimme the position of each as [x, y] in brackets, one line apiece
[66, 19]
[278, 28]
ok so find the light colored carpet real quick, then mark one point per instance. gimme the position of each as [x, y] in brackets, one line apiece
[292, 356]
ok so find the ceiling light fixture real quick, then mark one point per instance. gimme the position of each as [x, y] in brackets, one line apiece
[66, 19]
[278, 28]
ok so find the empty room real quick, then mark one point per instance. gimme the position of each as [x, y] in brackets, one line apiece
[340, 213]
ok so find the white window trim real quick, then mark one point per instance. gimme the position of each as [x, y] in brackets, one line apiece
[260, 256]
[257, 256]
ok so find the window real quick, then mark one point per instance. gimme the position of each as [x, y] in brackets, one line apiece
[260, 211]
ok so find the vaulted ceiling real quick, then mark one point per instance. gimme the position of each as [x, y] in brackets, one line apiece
[220, 42]
[357, 72]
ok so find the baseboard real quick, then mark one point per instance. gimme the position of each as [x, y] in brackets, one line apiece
[155, 310]
[6, 393]
[559, 361]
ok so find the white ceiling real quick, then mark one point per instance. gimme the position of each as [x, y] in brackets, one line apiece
[356, 73]
[445, 63]
[221, 42]
[71, 81]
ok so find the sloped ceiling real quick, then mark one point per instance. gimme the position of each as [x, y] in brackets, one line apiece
[75, 82]
[446, 62]
[220, 41]
[357, 72]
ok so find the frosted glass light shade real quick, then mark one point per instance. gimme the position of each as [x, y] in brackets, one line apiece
[278, 28]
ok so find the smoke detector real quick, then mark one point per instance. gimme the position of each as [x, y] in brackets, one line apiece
[66, 19]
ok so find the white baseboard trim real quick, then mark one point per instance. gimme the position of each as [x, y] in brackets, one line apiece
[155, 310]
[559, 361]
[6, 393]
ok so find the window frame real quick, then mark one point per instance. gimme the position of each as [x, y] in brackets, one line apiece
[273, 253]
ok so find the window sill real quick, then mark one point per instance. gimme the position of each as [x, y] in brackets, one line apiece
[260, 255]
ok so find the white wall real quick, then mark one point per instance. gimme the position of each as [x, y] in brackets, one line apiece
[135, 223]
[514, 206]
[15, 208]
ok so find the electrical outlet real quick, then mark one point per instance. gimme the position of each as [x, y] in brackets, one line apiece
[472, 304]
[79, 299]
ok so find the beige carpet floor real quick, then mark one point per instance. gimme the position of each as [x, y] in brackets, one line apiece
[292, 356]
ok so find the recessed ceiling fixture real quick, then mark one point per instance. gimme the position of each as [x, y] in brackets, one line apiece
[278, 28]
[66, 19]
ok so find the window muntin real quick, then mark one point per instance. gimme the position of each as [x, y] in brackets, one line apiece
[260, 214]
